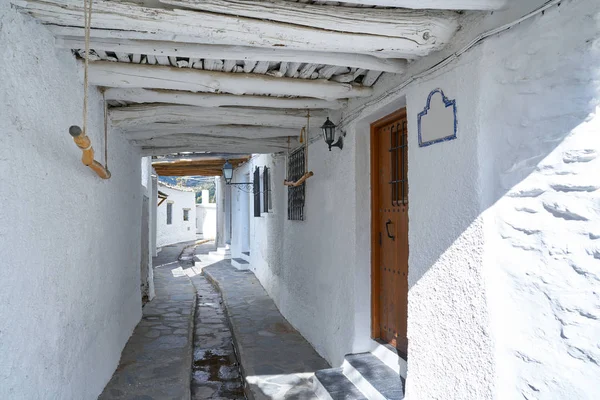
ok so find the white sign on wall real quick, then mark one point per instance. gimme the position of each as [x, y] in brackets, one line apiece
[437, 122]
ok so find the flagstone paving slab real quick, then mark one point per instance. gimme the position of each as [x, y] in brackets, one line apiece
[156, 362]
[277, 362]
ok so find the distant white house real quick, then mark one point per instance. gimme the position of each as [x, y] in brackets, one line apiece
[176, 215]
[206, 217]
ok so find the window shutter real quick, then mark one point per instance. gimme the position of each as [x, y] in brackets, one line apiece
[256, 189]
[266, 189]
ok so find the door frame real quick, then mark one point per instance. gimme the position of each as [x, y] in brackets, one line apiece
[375, 248]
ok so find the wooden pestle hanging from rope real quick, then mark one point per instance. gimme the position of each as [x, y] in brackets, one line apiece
[307, 174]
[80, 135]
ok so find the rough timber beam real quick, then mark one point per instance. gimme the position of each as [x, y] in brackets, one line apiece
[374, 21]
[201, 167]
[157, 130]
[135, 116]
[125, 20]
[436, 4]
[216, 144]
[217, 100]
[72, 38]
[123, 75]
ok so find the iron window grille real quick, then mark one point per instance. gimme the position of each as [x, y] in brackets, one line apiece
[296, 194]
[266, 190]
[256, 192]
[186, 214]
[399, 153]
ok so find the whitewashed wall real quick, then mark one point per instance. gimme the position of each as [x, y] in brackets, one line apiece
[69, 241]
[206, 217]
[540, 144]
[179, 230]
[503, 220]
[147, 236]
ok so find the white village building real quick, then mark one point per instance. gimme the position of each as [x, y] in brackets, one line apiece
[176, 215]
[454, 233]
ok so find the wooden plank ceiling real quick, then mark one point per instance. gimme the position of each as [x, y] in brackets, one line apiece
[210, 166]
[238, 76]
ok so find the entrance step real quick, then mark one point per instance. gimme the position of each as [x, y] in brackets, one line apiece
[362, 376]
[222, 253]
[240, 263]
[246, 255]
[332, 384]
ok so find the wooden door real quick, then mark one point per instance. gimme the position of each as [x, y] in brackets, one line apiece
[389, 166]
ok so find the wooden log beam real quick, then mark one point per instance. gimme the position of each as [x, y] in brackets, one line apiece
[436, 4]
[215, 144]
[218, 100]
[72, 38]
[157, 130]
[133, 117]
[127, 20]
[374, 21]
[111, 74]
[201, 167]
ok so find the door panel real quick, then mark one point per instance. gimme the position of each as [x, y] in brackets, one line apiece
[390, 230]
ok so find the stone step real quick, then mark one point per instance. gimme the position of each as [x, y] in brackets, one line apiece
[332, 384]
[373, 378]
[240, 263]
[362, 376]
[246, 255]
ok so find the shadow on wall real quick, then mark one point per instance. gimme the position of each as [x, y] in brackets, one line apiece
[538, 208]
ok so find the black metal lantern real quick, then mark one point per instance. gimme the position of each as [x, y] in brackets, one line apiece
[329, 135]
[227, 172]
[228, 175]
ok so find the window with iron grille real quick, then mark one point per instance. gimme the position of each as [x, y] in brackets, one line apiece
[169, 213]
[399, 155]
[186, 214]
[296, 194]
[266, 190]
[256, 191]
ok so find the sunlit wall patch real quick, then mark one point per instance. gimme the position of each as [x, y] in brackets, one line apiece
[437, 122]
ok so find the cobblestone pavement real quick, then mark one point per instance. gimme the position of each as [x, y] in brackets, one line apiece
[156, 362]
[277, 362]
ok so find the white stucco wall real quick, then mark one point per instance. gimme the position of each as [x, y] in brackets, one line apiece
[501, 277]
[206, 220]
[179, 230]
[540, 143]
[69, 241]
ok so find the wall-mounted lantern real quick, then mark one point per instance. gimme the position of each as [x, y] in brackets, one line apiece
[228, 175]
[329, 135]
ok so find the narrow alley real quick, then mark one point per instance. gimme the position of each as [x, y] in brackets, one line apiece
[300, 199]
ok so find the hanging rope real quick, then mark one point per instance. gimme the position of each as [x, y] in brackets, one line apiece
[80, 135]
[87, 18]
[307, 173]
[105, 130]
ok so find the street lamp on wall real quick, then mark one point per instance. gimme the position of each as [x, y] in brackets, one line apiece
[329, 135]
[228, 175]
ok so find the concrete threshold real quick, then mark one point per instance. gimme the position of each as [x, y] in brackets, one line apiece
[277, 362]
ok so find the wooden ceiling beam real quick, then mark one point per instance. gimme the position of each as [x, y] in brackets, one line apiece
[486, 5]
[207, 167]
[419, 36]
[135, 117]
[208, 144]
[72, 38]
[124, 75]
[401, 23]
[137, 95]
[157, 130]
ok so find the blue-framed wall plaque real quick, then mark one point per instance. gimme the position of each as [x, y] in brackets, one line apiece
[437, 122]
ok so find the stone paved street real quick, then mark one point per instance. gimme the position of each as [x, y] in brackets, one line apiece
[277, 362]
[156, 362]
